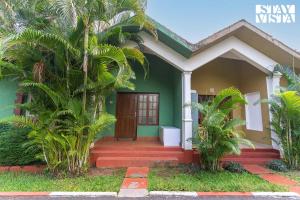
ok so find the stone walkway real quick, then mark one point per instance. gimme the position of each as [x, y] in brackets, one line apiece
[272, 177]
[135, 182]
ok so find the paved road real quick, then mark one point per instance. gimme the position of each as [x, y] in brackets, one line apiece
[150, 198]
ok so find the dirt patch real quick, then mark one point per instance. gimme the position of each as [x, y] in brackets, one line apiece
[105, 171]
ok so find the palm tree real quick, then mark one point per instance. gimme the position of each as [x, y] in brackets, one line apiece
[285, 108]
[100, 15]
[217, 134]
[76, 53]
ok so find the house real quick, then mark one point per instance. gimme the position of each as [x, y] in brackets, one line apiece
[240, 55]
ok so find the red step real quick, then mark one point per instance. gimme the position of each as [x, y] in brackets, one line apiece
[137, 148]
[256, 155]
[116, 153]
[249, 156]
[257, 161]
[115, 162]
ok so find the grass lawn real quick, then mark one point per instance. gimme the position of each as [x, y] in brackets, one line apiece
[178, 179]
[23, 182]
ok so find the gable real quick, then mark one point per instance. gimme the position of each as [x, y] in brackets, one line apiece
[246, 33]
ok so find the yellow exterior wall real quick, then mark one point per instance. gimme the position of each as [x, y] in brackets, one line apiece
[253, 80]
[222, 73]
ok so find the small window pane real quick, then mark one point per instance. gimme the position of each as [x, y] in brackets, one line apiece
[144, 113]
[152, 120]
[150, 113]
[150, 98]
[140, 112]
[143, 120]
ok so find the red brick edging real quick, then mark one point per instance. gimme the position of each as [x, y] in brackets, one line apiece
[272, 177]
[28, 168]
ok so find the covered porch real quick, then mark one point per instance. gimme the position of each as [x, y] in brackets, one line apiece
[230, 70]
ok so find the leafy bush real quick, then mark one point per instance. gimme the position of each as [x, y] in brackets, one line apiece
[217, 134]
[277, 165]
[13, 148]
[234, 167]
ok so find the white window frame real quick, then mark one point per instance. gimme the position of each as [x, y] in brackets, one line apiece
[257, 125]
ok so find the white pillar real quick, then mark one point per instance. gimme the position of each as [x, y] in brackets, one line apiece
[187, 126]
[273, 86]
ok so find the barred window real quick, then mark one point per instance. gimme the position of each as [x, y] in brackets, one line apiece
[148, 110]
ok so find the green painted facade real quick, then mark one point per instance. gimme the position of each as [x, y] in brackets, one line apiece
[163, 79]
[8, 91]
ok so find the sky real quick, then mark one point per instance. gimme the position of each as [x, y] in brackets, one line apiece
[196, 19]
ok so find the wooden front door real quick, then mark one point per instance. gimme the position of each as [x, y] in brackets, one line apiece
[126, 116]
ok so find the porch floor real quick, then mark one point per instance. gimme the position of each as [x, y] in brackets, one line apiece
[128, 143]
[257, 146]
[156, 143]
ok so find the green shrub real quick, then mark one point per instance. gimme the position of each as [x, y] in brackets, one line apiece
[13, 148]
[218, 134]
[277, 165]
[234, 167]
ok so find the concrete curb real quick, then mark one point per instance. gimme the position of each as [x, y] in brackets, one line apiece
[60, 194]
[170, 193]
[198, 194]
[277, 194]
[152, 193]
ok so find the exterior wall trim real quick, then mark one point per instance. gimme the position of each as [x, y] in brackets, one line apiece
[273, 85]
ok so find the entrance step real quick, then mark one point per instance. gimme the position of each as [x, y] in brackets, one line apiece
[135, 161]
[139, 153]
[257, 155]
[121, 147]
[244, 161]
[249, 156]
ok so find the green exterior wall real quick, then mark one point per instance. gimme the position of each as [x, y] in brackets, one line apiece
[163, 79]
[8, 91]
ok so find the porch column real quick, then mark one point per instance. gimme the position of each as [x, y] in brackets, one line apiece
[273, 86]
[187, 126]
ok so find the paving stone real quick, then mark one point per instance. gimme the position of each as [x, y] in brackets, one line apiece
[256, 169]
[278, 179]
[134, 183]
[133, 193]
[295, 189]
[137, 172]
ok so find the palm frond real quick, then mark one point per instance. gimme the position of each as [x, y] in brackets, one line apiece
[55, 97]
